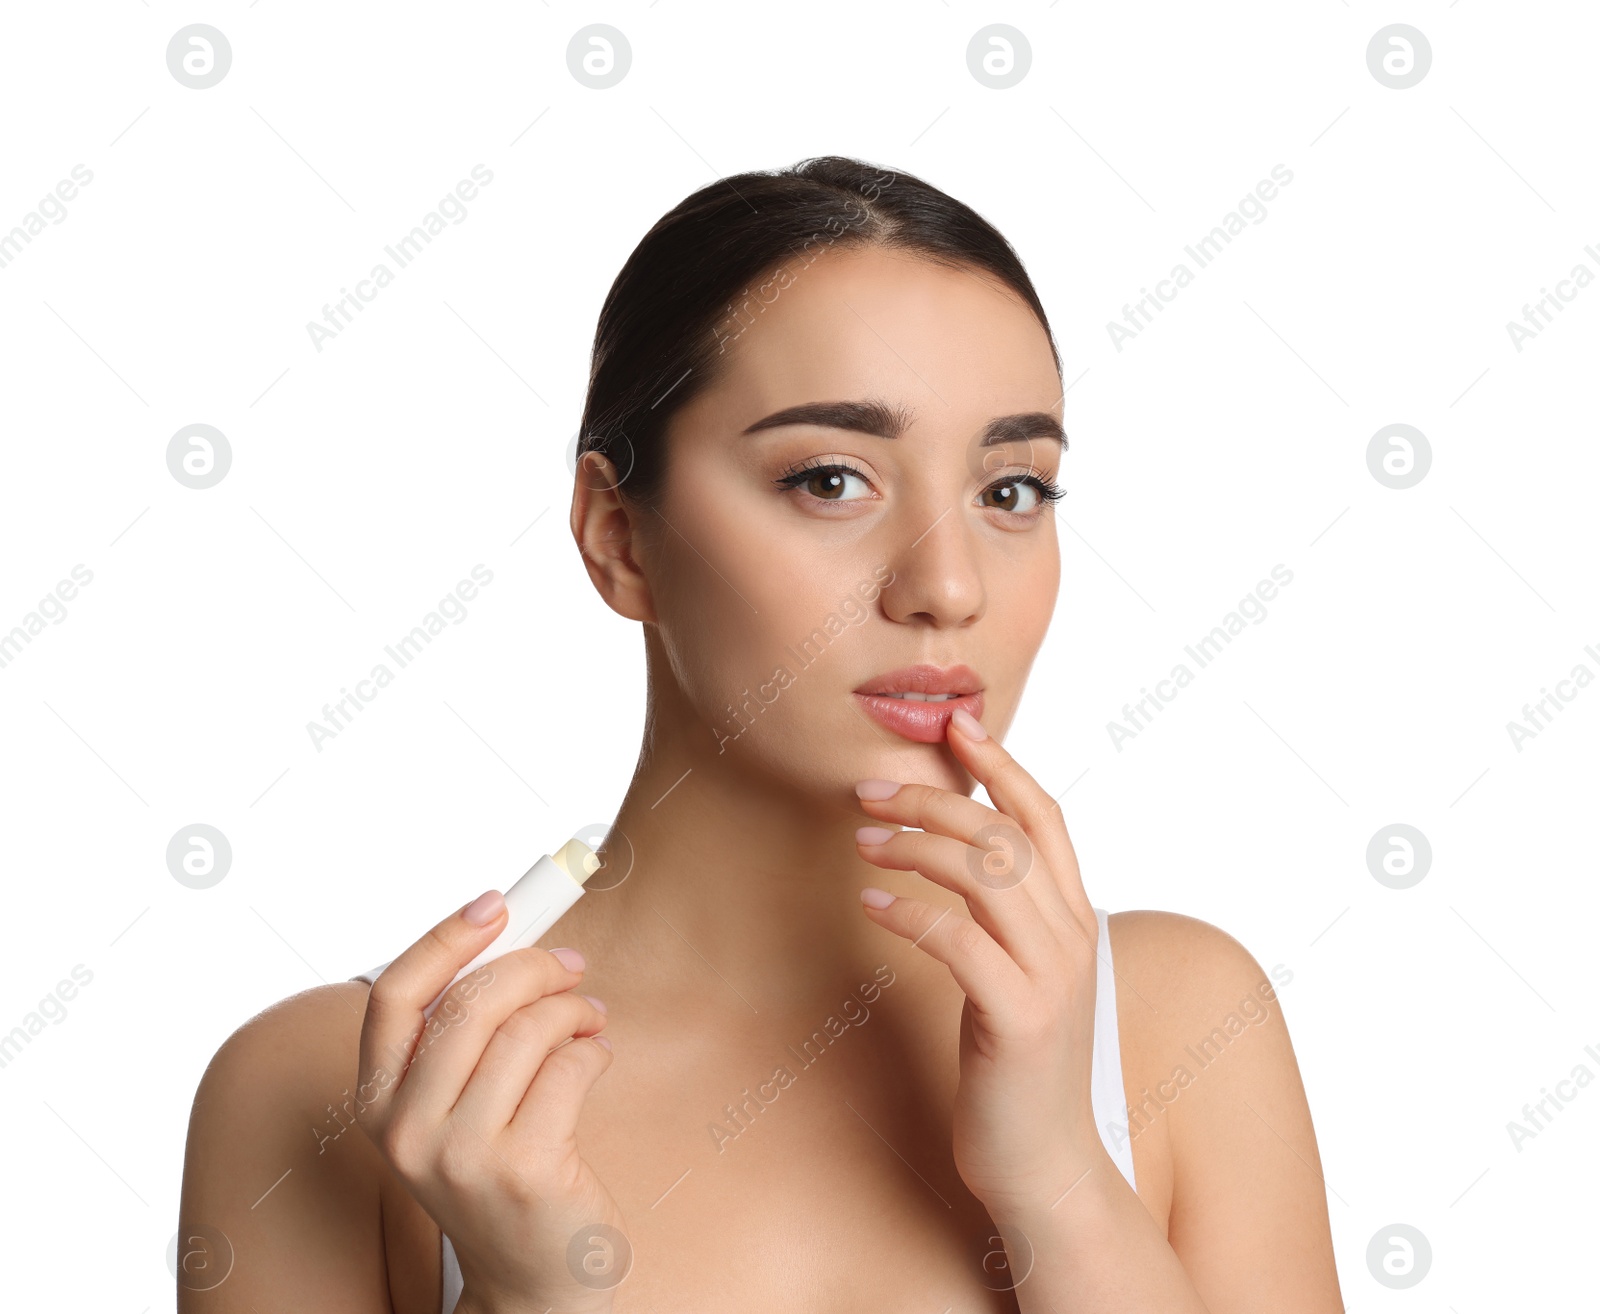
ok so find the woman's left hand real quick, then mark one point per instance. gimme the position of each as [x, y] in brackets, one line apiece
[1024, 1130]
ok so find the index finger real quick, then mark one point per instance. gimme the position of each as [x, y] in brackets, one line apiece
[1023, 799]
[394, 1021]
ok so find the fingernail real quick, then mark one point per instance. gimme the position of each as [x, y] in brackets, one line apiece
[876, 898]
[601, 1040]
[571, 959]
[877, 789]
[485, 908]
[596, 1002]
[968, 724]
[872, 835]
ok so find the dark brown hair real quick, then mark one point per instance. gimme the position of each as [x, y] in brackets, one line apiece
[695, 282]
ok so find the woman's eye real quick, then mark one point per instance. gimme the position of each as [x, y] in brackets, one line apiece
[1016, 495]
[826, 483]
[1024, 495]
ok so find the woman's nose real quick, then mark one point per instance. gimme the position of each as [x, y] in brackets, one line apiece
[937, 576]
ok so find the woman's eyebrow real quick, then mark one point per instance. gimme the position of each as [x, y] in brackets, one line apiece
[890, 422]
[1020, 428]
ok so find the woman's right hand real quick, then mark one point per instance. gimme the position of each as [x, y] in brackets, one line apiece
[476, 1111]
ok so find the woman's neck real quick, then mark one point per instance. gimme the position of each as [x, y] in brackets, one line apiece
[722, 881]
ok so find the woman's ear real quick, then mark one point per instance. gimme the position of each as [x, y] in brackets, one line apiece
[605, 528]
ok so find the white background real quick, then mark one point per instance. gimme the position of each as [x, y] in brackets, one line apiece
[1229, 436]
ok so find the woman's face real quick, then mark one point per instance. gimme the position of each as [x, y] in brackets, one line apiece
[776, 598]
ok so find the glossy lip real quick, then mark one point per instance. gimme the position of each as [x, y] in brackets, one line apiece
[924, 678]
[923, 723]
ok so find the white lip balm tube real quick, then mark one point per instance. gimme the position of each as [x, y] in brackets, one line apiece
[537, 900]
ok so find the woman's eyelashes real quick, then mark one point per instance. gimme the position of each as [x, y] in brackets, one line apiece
[823, 481]
[829, 481]
[1045, 492]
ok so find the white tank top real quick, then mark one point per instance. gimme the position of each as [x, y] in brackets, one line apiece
[1105, 1089]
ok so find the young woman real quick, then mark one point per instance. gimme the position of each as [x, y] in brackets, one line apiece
[875, 1048]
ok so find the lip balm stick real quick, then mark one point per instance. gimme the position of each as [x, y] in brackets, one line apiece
[537, 900]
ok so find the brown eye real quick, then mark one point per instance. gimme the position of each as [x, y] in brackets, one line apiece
[826, 483]
[1016, 495]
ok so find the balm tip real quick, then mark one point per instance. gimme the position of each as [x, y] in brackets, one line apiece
[577, 859]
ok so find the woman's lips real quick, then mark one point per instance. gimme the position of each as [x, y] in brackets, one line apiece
[922, 722]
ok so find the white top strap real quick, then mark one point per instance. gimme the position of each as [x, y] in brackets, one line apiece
[1107, 1097]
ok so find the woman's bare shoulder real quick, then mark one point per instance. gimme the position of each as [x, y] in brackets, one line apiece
[1184, 988]
[1167, 948]
[280, 1187]
[1212, 1080]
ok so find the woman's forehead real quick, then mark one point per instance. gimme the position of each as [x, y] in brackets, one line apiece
[868, 323]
